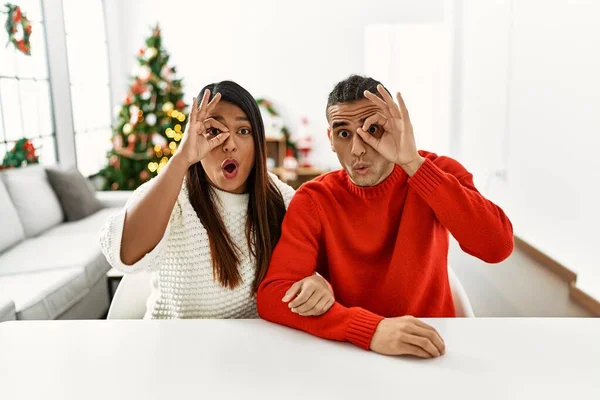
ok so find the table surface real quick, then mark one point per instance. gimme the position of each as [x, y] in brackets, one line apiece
[491, 358]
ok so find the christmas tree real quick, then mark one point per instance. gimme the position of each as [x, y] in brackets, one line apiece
[150, 123]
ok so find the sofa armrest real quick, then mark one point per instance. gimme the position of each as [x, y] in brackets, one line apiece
[116, 198]
[7, 310]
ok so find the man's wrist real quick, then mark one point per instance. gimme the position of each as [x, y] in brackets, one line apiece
[412, 167]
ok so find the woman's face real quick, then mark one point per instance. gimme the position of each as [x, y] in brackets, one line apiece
[228, 166]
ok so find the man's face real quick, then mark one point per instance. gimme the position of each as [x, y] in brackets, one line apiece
[364, 165]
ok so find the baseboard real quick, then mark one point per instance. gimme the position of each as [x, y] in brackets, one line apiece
[584, 299]
[580, 297]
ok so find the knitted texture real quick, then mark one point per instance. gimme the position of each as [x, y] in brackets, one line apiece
[183, 285]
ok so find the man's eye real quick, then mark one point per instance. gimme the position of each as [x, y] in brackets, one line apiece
[373, 129]
[343, 134]
[213, 131]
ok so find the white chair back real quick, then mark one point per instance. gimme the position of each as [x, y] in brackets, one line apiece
[129, 301]
[462, 305]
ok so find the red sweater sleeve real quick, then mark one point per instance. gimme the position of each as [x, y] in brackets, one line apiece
[480, 227]
[294, 258]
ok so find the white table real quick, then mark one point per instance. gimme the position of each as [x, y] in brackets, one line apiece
[243, 359]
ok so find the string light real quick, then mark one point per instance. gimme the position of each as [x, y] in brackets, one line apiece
[152, 166]
[164, 160]
[181, 118]
[157, 148]
[173, 146]
[177, 128]
[170, 133]
[166, 151]
[177, 137]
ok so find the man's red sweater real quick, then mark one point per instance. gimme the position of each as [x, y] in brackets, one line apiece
[384, 248]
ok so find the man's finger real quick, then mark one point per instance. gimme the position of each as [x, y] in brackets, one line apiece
[308, 305]
[403, 109]
[416, 351]
[426, 326]
[218, 140]
[432, 335]
[293, 291]
[377, 118]
[423, 343]
[368, 138]
[303, 297]
[213, 123]
[378, 102]
[392, 107]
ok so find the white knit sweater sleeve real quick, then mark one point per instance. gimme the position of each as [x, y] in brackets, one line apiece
[287, 192]
[111, 235]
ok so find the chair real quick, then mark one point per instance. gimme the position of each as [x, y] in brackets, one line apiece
[462, 305]
[129, 301]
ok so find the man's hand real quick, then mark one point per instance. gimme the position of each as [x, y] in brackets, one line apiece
[313, 296]
[407, 336]
[397, 142]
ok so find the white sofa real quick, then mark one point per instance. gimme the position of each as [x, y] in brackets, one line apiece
[49, 268]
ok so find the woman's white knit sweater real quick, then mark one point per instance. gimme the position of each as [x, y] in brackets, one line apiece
[182, 277]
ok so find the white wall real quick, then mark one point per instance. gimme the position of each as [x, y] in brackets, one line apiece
[531, 101]
[414, 59]
[290, 52]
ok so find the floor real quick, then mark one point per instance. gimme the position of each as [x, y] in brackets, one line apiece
[517, 287]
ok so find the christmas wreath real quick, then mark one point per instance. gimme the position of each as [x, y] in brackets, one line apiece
[18, 28]
[22, 153]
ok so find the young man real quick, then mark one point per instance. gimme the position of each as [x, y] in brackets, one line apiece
[378, 231]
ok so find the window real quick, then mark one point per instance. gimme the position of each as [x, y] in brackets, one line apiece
[89, 82]
[25, 103]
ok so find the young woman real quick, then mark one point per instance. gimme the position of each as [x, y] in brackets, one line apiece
[207, 225]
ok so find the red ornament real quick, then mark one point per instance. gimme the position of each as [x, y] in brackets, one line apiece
[138, 87]
[142, 51]
[21, 45]
[114, 186]
[28, 29]
[18, 15]
[180, 105]
[144, 175]
[128, 99]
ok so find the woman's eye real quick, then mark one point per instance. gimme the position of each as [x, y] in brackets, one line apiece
[244, 131]
[343, 134]
[373, 129]
[213, 131]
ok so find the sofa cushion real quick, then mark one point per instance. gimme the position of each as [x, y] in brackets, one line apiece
[45, 295]
[7, 310]
[33, 197]
[75, 193]
[91, 224]
[12, 232]
[48, 252]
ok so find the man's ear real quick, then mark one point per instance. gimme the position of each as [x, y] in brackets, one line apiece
[330, 136]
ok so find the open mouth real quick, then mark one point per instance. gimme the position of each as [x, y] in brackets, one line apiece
[361, 168]
[230, 168]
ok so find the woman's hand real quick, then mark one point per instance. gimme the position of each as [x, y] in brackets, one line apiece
[312, 296]
[196, 143]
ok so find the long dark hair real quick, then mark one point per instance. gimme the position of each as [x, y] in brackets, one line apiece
[266, 207]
